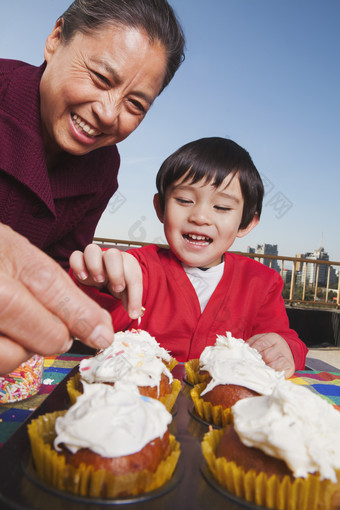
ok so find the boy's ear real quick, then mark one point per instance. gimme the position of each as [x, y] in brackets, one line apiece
[53, 41]
[158, 209]
[244, 231]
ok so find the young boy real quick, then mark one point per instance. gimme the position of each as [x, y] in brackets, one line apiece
[209, 193]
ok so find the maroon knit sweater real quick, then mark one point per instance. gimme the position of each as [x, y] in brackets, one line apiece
[57, 213]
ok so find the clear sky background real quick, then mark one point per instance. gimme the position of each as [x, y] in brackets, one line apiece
[265, 73]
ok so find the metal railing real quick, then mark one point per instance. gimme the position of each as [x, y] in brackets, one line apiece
[297, 287]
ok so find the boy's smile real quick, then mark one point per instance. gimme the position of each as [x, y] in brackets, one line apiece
[201, 222]
[197, 239]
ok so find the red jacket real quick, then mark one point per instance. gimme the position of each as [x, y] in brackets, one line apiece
[59, 213]
[246, 301]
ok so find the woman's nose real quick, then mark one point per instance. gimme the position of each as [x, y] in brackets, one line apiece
[106, 111]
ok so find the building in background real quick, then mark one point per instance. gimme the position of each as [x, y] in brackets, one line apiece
[304, 272]
[266, 249]
[314, 272]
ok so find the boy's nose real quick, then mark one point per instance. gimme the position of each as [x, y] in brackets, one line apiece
[199, 215]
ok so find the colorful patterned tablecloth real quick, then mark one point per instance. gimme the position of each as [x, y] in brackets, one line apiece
[55, 369]
[324, 384]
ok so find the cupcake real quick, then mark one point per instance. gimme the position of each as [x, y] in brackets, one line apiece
[234, 371]
[111, 443]
[282, 451]
[134, 357]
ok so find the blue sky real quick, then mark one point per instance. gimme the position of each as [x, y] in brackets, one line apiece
[264, 73]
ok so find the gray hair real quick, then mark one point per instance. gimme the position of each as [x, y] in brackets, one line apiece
[156, 17]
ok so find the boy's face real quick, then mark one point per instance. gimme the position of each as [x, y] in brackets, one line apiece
[201, 222]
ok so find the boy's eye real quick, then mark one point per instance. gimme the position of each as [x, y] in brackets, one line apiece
[183, 201]
[221, 208]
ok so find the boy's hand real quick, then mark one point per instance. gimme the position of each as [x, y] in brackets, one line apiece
[114, 270]
[275, 352]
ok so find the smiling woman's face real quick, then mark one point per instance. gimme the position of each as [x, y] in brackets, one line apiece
[97, 88]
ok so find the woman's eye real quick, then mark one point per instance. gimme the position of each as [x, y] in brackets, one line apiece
[102, 78]
[138, 105]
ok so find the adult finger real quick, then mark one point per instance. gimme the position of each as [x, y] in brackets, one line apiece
[11, 355]
[27, 322]
[53, 289]
[83, 318]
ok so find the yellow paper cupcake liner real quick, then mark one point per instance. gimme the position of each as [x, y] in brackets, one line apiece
[74, 390]
[309, 493]
[85, 480]
[170, 399]
[172, 363]
[192, 368]
[216, 415]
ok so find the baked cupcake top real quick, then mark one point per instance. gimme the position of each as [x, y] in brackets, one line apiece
[134, 356]
[233, 361]
[111, 421]
[295, 425]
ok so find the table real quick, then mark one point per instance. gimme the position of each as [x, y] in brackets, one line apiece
[192, 491]
[55, 369]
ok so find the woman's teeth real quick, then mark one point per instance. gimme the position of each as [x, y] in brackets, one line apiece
[80, 123]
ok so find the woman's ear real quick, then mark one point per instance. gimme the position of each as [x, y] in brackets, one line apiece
[53, 41]
[244, 231]
[158, 209]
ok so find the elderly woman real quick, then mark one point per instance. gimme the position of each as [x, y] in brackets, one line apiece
[105, 63]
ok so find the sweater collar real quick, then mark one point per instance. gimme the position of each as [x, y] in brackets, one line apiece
[23, 154]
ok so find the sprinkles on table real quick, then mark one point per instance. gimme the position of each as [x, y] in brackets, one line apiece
[23, 382]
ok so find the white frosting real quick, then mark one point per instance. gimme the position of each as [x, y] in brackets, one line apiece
[295, 425]
[233, 361]
[111, 421]
[134, 356]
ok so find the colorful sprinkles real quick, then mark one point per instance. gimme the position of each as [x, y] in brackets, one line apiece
[118, 353]
[23, 382]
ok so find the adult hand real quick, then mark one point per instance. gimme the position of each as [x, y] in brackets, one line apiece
[275, 352]
[114, 270]
[41, 308]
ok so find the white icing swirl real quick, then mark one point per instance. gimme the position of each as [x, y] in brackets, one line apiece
[295, 425]
[233, 361]
[134, 356]
[111, 421]
[146, 343]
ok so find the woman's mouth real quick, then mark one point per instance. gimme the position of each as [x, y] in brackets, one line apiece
[197, 239]
[84, 127]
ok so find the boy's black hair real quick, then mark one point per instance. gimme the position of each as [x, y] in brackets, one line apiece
[212, 160]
